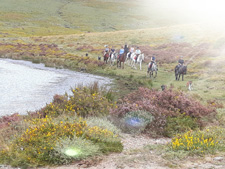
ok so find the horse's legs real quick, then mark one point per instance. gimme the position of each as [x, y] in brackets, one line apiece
[178, 77]
[155, 74]
[182, 77]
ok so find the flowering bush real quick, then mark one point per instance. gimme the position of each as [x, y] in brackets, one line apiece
[85, 101]
[39, 144]
[198, 141]
[161, 104]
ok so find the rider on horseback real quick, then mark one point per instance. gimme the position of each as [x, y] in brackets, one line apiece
[106, 49]
[153, 60]
[180, 61]
[112, 51]
[137, 52]
[131, 51]
[121, 52]
[126, 49]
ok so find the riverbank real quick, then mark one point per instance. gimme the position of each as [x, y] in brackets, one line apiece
[27, 87]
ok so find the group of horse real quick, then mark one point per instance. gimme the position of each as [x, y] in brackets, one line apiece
[131, 59]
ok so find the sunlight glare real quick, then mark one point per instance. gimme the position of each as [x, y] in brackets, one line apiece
[208, 10]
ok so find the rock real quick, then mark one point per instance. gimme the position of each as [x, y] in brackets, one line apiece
[218, 158]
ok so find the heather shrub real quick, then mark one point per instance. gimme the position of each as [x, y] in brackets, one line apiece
[9, 119]
[162, 104]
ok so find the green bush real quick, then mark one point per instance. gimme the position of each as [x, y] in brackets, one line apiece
[84, 101]
[179, 124]
[102, 123]
[68, 149]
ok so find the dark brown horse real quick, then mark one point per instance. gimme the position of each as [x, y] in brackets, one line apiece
[121, 58]
[106, 57]
[180, 70]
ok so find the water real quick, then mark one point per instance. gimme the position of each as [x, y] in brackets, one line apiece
[25, 86]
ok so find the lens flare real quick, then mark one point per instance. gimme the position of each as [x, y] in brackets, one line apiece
[135, 121]
[72, 152]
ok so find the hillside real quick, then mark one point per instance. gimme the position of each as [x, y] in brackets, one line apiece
[52, 17]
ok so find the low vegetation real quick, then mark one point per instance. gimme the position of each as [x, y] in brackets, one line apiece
[57, 134]
[173, 111]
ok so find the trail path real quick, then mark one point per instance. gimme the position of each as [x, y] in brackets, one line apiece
[138, 155]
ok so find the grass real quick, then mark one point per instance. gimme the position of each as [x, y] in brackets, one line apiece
[29, 18]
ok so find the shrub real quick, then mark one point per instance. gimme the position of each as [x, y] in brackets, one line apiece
[179, 124]
[8, 119]
[162, 104]
[102, 123]
[84, 101]
[68, 149]
[40, 143]
[196, 142]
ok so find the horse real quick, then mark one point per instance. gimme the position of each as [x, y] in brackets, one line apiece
[113, 58]
[106, 57]
[128, 59]
[153, 69]
[121, 59]
[180, 70]
[139, 60]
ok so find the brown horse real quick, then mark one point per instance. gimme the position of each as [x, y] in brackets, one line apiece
[121, 58]
[106, 57]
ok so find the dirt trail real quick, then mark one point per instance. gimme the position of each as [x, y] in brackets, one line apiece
[133, 156]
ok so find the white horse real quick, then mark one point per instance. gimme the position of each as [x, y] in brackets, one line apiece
[128, 58]
[113, 58]
[139, 60]
[153, 69]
